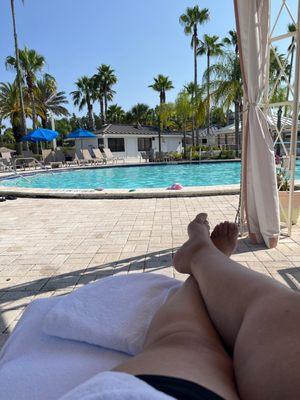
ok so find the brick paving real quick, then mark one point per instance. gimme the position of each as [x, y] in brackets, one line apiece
[50, 247]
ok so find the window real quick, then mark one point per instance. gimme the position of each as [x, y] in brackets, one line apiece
[144, 144]
[204, 141]
[116, 144]
[100, 143]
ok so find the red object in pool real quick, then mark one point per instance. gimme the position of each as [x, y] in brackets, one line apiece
[175, 186]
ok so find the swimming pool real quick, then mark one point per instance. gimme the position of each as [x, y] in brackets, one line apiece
[135, 177]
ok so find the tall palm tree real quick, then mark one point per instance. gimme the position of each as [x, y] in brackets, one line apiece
[104, 80]
[31, 63]
[10, 108]
[211, 47]
[193, 17]
[115, 113]
[49, 99]
[18, 69]
[161, 84]
[227, 87]
[291, 49]
[83, 96]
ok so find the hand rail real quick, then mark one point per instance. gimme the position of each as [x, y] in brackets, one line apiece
[29, 158]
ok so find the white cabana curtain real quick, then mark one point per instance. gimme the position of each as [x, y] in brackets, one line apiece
[260, 195]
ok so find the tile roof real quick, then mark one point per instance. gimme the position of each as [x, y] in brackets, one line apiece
[120, 129]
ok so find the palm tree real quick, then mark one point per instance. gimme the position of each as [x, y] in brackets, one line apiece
[104, 80]
[184, 110]
[31, 63]
[83, 96]
[227, 87]
[115, 113]
[291, 49]
[139, 113]
[49, 99]
[211, 47]
[193, 17]
[161, 84]
[18, 69]
[10, 109]
[232, 40]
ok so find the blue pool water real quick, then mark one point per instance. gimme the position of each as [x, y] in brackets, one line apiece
[156, 176]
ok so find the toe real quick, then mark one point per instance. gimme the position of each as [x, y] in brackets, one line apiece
[233, 229]
[201, 218]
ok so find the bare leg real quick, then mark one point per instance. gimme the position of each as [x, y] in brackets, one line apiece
[255, 315]
[183, 343]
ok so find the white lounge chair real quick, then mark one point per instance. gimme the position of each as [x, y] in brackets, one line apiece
[98, 155]
[87, 156]
[110, 157]
[79, 158]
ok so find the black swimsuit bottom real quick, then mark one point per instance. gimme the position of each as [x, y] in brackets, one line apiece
[180, 389]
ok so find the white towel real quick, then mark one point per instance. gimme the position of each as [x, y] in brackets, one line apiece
[35, 366]
[116, 386]
[114, 312]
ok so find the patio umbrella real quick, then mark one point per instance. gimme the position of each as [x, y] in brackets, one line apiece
[80, 134]
[40, 135]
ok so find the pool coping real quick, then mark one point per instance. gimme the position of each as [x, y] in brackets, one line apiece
[189, 191]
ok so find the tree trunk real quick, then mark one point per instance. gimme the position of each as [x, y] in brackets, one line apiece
[159, 131]
[105, 106]
[90, 116]
[237, 126]
[19, 77]
[208, 94]
[290, 76]
[195, 41]
[279, 115]
[101, 110]
[184, 141]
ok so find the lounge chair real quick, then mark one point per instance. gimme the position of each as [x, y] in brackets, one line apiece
[145, 156]
[79, 158]
[110, 157]
[98, 155]
[87, 157]
[60, 157]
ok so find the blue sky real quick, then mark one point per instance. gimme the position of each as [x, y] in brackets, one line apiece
[138, 38]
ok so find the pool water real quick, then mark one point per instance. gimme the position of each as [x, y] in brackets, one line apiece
[152, 176]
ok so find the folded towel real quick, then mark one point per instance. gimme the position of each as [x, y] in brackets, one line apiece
[115, 386]
[113, 312]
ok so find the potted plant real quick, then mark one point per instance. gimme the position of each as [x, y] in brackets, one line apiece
[283, 184]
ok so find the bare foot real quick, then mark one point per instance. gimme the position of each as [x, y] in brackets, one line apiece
[224, 237]
[198, 231]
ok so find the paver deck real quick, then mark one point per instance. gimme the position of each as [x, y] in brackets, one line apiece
[49, 247]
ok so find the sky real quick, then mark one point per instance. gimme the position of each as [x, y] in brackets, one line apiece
[138, 38]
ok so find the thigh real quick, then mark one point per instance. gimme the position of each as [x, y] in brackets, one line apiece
[182, 342]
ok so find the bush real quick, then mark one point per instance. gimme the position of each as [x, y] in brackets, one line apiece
[227, 154]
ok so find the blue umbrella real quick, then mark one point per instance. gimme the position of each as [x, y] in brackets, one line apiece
[40, 135]
[80, 134]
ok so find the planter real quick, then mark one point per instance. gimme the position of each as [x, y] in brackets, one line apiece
[284, 206]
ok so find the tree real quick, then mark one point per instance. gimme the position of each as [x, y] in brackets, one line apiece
[104, 80]
[193, 17]
[83, 96]
[184, 110]
[31, 63]
[211, 47]
[18, 68]
[115, 114]
[232, 40]
[138, 114]
[227, 87]
[291, 49]
[10, 108]
[49, 99]
[161, 84]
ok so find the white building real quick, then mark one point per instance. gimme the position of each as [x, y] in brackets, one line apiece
[130, 140]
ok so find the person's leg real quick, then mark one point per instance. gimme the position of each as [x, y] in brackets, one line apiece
[183, 343]
[256, 316]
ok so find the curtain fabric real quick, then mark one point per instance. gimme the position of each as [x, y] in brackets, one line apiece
[259, 192]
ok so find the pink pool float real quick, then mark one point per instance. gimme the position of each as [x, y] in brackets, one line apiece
[175, 186]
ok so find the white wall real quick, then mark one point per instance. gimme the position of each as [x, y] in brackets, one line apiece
[87, 143]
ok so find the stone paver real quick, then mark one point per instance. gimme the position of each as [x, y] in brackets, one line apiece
[50, 247]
